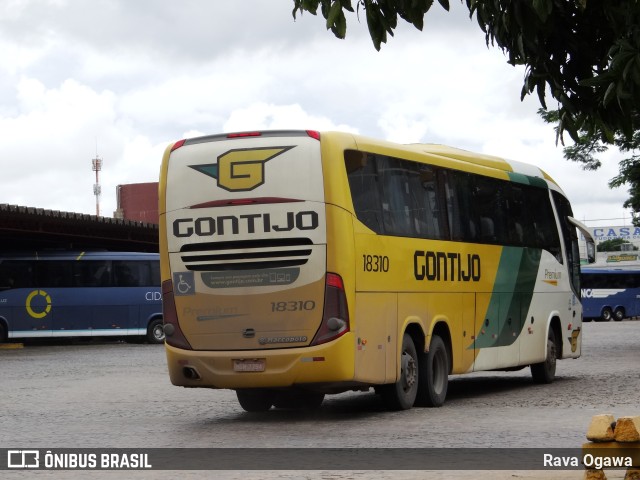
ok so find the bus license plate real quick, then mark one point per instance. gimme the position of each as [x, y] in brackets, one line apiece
[249, 365]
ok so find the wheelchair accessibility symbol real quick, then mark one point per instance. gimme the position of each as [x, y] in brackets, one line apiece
[183, 283]
[42, 305]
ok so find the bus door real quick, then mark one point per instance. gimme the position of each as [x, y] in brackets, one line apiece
[499, 315]
[497, 341]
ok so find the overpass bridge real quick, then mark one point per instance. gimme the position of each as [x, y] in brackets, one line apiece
[28, 228]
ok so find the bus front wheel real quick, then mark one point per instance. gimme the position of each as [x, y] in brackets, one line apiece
[433, 375]
[3, 333]
[545, 372]
[402, 394]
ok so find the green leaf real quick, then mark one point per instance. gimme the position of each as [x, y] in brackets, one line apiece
[346, 4]
[339, 29]
[375, 29]
[543, 8]
[334, 11]
[445, 4]
[609, 94]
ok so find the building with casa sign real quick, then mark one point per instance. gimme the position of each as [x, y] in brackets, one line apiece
[627, 253]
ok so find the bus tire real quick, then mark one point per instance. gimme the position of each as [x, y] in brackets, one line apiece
[155, 331]
[402, 394]
[433, 378]
[3, 333]
[606, 315]
[618, 314]
[255, 399]
[545, 372]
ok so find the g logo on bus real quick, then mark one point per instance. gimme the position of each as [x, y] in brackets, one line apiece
[47, 308]
[241, 170]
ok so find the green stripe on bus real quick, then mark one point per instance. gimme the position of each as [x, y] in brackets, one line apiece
[528, 180]
[512, 294]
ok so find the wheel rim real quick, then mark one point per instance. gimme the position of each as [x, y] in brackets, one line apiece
[158, 332]
[409, 371]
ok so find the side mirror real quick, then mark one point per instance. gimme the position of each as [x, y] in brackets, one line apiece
[591, 251]
[591, 244]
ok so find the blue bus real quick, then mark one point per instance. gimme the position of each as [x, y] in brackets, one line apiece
[610, 292]
[80, 294]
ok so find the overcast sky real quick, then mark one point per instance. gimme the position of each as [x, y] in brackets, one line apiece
[122, 79]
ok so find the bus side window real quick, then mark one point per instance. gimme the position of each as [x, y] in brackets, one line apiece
[462, 221]
[16, 274]
[425, 203]
[517, 223]
[544, 224]
[363, 183]
[125, 274]
[134, 274]
[55, 274]
[155, 274]
[92, 273]
[487, 196]
[395, 192]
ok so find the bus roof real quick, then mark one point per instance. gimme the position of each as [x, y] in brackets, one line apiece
[440, 154]
[517, 171]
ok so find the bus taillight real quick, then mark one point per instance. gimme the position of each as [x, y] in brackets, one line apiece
[335, 318]
[172, 331]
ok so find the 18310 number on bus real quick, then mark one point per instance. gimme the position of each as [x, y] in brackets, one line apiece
[375, 263]
[293, 306]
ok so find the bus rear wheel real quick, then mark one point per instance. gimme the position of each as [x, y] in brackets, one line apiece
[545, 372]
[606, 315]
[3, 333]
[402, 394]
[618, 314]
[433, 375]
[255, 399]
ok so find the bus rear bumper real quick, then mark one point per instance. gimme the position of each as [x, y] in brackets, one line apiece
[332, 362]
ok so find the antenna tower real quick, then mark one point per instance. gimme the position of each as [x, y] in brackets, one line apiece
[96, 166]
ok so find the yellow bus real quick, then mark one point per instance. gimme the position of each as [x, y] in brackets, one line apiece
[297, 264]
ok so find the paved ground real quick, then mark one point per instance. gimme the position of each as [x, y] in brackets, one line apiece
[101, 395]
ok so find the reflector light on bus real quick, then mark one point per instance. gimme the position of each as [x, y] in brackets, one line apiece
[244, 134]
[313, 134]
[178, 144]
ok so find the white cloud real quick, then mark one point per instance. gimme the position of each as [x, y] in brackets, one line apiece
[262, 116]
[126, 79]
